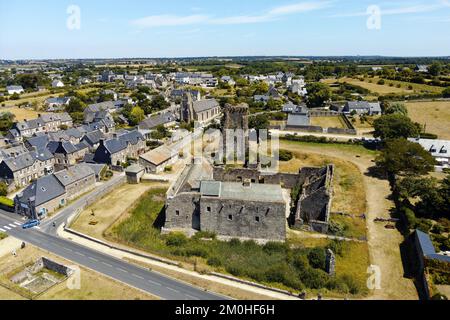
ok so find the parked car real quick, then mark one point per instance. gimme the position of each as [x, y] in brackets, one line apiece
[31, 224]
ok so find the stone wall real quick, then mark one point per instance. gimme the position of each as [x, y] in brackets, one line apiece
[181, 210]
[239, 218]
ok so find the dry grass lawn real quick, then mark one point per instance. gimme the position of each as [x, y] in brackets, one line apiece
[328, 122]
[435, 115]
[22, 113]
[110, 208]
[94, 286]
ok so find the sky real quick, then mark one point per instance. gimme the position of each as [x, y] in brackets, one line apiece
[52, 29]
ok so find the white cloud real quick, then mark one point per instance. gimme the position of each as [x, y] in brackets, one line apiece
[399, 10]
[271, 15]
[169, 20]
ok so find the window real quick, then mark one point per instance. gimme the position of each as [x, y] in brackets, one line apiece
[257, 219]
[230, 217]
[208, 209]
[177, 213]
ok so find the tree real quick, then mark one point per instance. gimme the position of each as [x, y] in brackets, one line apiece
[398, 108]
[259, 122]
[159, 103]
[394, 126]
[136, 115]
[3, 189]
[435, 69]
[446, 92]
[75, 105]
[403, 157]
[6, 121]
[318, 93]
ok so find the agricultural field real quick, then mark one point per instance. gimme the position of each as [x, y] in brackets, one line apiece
[22, 113]
[371, 85]
[434, 115]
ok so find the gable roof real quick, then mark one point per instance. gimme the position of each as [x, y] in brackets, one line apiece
[204, 105]
[157, 120]
[27, 159]
[42, 190]
[74, 174]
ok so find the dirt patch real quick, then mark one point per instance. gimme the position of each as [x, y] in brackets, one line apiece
[97, 218]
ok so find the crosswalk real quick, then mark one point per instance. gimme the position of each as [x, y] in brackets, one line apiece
[9, 226]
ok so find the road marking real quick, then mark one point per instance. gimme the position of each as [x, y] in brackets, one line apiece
[155, 283]
[173, 290]
[139, 277]
[1, 230]
[37, 227]
[93, 259]
[7, 228]
[122, 270]
[191, 297]
[17, 223]
[106, 264]
[79, 253]
[67, 249]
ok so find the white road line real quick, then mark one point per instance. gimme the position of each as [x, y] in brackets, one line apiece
[1, 230]
[12, 225]
[67, 249]
[191, 297]
[80, 254]
[93, 259]
[106, 264]
[155, 283]
[139, 277]
[17, 223]
[7, 228]
[173, 290]
[122, 270]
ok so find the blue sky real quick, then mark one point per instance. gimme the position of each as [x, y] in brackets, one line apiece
[176, 28]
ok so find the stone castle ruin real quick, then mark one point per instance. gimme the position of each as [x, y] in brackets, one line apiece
[247, 203]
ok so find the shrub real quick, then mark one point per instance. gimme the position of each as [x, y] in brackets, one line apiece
[410, 218]
[6, 201]
[176, 239]
[285, 155]
[381, 82]
[214, 262]
[317, 258]
[3, 189]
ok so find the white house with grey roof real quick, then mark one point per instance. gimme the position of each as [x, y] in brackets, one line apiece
[362, 107]
[14, 89]
[439, 149]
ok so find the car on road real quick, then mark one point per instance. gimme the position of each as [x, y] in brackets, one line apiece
[31, 224]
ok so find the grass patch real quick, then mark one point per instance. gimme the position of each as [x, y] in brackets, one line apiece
[3, 235]
[277, 264]
[434, 115]
[328, 122]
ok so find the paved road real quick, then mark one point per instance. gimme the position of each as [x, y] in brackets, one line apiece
[151, 282]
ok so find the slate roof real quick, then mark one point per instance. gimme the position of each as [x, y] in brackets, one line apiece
[62, 147]
[42, 190]
[74, 174]
[153, 122]
[8, 88]
[427, 247]
[115, 145]
[39, 142]
[27, 159]
[437, 148]
[204, 105]
[93, 137]
[132, 137]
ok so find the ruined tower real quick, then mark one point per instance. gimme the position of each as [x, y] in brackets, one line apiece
[187, 108]
[235, 127]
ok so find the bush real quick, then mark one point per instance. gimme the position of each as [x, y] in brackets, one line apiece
[428, 136]
[214, 262]
[176, 239]
[3, 189]
[285, 155]
[6, 202]
[317, 258]
[381, 82]
[410, 218]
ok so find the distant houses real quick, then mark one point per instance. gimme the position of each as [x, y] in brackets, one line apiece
[57, 84]
[14, 90]
[362, 107]
[44, 123]
[439, 149]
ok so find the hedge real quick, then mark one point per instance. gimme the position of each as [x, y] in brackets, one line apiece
[6, 201]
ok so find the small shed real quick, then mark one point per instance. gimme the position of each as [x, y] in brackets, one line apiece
[134, 174]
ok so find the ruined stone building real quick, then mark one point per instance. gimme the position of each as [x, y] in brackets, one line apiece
[235, 126]
[247, 203]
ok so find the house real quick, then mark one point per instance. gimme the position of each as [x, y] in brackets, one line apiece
[26, 167]
[439, 149]
[57, 84]
[177, 94]
[66, 153]
[261, 98]
[203, 111]
[47, 194]
[117, 150]
[92, 139]
[362, 107]
[158, 159]
[14, 89]
[228, 80]
[167, 119]
[55, 104]
[421, 68]
[50, 122]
